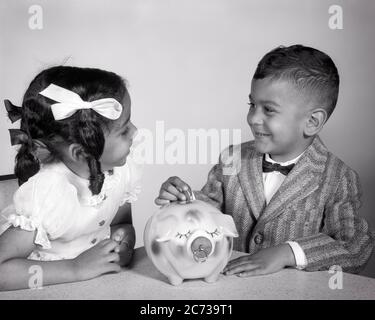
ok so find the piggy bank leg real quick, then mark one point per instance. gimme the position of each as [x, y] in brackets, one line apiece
[175, 280]
[212, 277]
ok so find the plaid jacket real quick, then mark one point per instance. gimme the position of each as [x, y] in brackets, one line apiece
[316, 206]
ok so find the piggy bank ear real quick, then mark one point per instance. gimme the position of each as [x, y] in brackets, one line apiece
[226, 224]
[165, 228]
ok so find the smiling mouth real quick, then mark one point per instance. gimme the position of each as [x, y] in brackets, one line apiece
[261, 134]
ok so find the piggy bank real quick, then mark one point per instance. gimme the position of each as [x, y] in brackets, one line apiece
[189, 241]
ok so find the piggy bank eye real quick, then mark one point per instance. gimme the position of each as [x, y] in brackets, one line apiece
[214, 233]
[180, 235]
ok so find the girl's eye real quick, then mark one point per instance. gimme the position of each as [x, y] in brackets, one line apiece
[252, 105]
[269, 109]
[181, 235]
[214, 233]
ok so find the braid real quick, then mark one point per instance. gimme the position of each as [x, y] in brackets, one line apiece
[26, 164]
[96, 175]
[89, 134]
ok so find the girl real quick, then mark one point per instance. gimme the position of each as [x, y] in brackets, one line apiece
[71, 215]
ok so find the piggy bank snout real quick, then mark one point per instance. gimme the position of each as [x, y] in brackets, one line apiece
[200, 246]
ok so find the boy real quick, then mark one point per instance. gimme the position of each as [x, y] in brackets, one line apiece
[293, 202]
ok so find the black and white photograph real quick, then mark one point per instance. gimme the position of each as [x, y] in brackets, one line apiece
[187, 154]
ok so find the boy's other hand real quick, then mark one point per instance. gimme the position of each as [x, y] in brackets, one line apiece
[125, 238]
[174, 189]
[265, 261]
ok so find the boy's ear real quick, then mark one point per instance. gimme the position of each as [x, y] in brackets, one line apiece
[76, 152]
[316, 119]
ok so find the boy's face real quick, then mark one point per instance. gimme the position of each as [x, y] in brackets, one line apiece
[277, 117]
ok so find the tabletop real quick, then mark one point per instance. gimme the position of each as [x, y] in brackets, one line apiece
[142, 281]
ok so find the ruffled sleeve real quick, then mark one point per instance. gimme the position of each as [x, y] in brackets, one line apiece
[42, 204]
[29, 224]
[131, 177]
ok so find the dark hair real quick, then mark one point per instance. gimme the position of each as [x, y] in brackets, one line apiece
[85, 127]
[309, 69]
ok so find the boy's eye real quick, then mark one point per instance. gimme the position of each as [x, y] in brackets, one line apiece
[125, 131]
[252, 105]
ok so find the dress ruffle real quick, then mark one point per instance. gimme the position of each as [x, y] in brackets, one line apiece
[131, 196]
[29, 224]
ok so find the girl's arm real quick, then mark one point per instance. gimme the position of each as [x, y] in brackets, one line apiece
[123, 232]
[17, 272]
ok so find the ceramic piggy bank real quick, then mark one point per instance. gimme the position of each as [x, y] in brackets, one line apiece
[189, 241]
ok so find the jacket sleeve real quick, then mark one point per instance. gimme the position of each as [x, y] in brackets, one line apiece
[221, 175]
[345, 239]
[212, 192]
[229, 164]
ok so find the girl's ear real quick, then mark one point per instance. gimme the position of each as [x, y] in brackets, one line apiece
[315, 121]
[40, 150]
[76, 152]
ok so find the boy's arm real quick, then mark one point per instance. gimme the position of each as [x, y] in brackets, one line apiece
[122, 227]
[345, 239]
[212, 192]
[229, 165]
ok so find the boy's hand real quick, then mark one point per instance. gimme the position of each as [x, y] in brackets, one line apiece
[265, 261]
[174, 189]
[125, 238]
[97, 260]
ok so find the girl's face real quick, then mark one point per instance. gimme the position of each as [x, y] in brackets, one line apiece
[119, 140]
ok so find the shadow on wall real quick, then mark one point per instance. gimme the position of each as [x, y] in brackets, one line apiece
[7, 189]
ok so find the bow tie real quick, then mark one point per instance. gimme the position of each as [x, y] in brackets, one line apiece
[269, 167]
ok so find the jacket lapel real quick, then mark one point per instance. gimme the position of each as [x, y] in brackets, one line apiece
[300, 182]
[251, 181]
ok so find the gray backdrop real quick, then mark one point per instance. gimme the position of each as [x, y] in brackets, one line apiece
[189, 63]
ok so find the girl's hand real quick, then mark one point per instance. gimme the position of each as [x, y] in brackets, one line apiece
[97, 260]
[174, 189]
[125, 238]
[265, 261]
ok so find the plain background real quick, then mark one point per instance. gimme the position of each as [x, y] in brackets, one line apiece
[189, 63]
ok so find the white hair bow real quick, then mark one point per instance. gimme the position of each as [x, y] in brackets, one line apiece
[70, 102]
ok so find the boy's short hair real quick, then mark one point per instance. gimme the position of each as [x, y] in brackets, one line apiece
[311, 70]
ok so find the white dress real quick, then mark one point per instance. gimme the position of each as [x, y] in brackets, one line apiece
[67, 218]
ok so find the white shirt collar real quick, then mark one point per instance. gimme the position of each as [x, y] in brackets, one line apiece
[286, 163]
